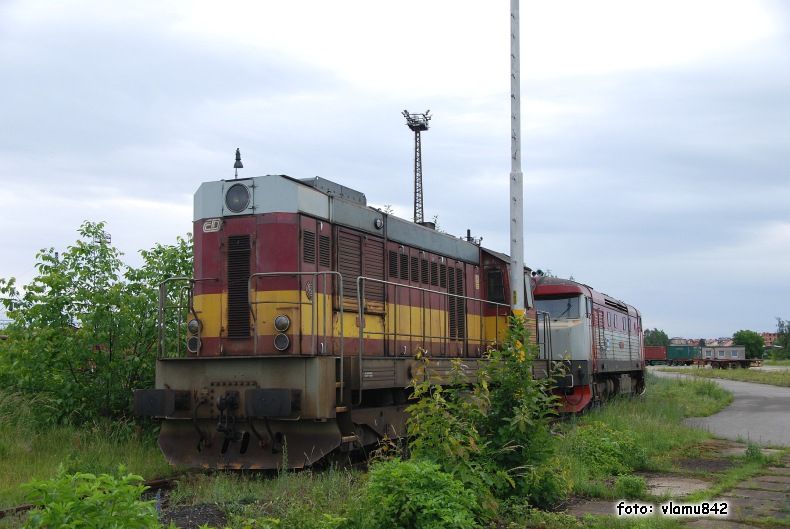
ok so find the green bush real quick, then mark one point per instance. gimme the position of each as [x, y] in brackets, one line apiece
[416, 495]
[83, 331]
[547, 484]
[630, 487]
[92, 502]
[606, 450]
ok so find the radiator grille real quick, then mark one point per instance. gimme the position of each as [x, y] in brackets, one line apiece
[456, 306]
[404, 267]
[324, 246]
[308, 246]
[238, 294]
[393, 262]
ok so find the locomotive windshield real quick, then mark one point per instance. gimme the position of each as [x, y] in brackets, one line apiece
[566, 308]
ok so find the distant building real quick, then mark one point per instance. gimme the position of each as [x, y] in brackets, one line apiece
[769, 338]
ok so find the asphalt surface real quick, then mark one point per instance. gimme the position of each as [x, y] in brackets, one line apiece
[759, 413]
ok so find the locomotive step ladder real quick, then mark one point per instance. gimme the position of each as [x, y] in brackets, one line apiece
[342, 412]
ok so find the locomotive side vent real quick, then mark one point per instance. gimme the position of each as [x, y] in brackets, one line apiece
[393, 261]
[324, 246]
[424, 272]
[415, 269]
[238, 295]
[308, 246]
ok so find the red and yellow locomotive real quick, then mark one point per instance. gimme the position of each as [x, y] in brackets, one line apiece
[303, 318]
[304, 315]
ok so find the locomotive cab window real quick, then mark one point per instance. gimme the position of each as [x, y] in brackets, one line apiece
[562, 308]
[496, 286]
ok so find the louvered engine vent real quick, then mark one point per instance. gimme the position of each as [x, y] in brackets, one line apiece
[238, 293]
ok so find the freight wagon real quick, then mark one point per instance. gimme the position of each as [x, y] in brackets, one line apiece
[682, 355]
[721, 357]
[655, 354]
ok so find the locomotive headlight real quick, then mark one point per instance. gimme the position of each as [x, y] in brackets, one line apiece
[282, 322]
[237, 199]
[281, 342]
[193, 326]
[193, 344]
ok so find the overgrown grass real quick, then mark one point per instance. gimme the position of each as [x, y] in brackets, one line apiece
[29, 450]
[774, 378]
[654, 421]
[298, 499]
[780, 363]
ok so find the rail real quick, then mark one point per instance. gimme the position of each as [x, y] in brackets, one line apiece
[444, 305]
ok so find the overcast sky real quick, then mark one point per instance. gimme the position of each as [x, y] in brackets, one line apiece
[655, 145]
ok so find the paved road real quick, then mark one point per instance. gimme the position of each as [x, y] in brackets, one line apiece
[758, 413]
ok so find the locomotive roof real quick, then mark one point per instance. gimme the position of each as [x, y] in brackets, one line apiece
[547, 286]
[328, 201]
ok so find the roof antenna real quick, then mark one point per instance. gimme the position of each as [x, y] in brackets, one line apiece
[238, 164]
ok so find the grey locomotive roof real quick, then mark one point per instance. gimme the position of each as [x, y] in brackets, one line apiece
[329, 201]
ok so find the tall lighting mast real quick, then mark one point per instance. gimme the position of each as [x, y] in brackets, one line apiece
[516, 176]
[418, 123]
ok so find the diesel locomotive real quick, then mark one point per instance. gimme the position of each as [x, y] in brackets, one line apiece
[599, 336]
[296, 336]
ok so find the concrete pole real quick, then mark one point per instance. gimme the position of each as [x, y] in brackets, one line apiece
[516, 176]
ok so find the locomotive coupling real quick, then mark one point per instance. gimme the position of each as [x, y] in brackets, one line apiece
[227, 405]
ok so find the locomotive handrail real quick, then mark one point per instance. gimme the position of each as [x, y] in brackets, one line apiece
[314, 312]
[360, 307]
[163, 306]
[545, 320]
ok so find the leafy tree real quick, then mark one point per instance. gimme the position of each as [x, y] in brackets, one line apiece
[783, 340]
[83, 331]
[701, 342]
[656, 337]
[753, 342]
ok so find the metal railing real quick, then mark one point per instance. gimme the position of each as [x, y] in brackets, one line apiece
[183, 304]
[443, 305]
[180, 304]
[543, 338]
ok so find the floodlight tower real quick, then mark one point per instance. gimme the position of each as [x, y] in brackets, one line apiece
[418, 123]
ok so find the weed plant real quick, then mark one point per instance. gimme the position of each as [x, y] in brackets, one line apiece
[492, 436]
